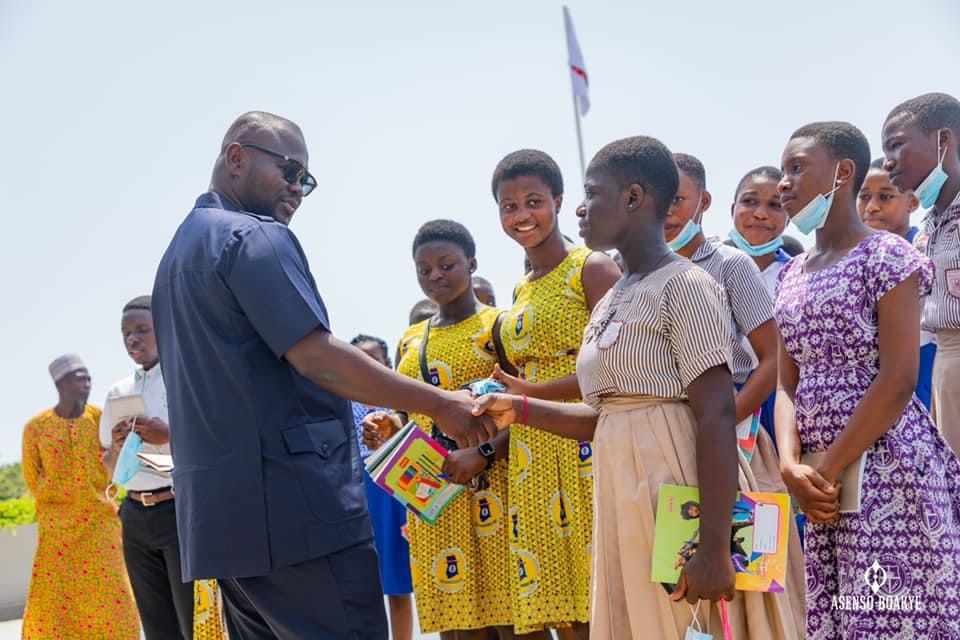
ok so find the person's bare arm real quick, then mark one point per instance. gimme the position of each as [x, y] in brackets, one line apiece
[709, 574]
[349, 373]
[887, 396]
[763, 380]
[567, 419]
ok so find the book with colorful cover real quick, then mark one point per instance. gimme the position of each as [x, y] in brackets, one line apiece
[758, 542]
[747, 435]
[408, 466]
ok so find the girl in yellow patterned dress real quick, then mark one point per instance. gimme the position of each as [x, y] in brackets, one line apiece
[551, 486]
[459, 565]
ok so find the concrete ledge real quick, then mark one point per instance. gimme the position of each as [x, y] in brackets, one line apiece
[17, 548]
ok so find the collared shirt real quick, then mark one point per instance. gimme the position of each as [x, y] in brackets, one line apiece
[749, 302]
[267, 469]
[148, 384]
[940, 241]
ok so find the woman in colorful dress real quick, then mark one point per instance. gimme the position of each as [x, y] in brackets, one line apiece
[79, 587]
[551, 486]
[654, 370]
[849, 317]
[459, 564]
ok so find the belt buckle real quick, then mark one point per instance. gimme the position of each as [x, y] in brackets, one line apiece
[143, 499]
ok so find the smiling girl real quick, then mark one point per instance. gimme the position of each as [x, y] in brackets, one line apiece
[551, 486]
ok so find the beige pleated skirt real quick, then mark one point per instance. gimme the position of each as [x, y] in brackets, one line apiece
[639, 445]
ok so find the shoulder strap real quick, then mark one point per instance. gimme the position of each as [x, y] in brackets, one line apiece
[505, 365]
[424, 369]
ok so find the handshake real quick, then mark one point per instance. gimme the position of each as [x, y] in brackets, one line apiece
[470, 416]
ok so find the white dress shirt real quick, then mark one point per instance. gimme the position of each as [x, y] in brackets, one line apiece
[148, 384]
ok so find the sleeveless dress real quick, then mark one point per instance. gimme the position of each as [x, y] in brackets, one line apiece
[893, 569]
[551, 478]
[459, 565]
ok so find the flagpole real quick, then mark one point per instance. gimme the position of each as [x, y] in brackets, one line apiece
[574, 58]
[576, 118]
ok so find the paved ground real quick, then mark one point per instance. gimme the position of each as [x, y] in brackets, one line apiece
[10, 630]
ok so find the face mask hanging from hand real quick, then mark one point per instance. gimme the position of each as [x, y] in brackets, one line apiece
[929, 190]
[755, 250]
[128, 464]
[688, 232]
[814, 215]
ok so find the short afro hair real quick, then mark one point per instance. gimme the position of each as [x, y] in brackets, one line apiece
[422, 310]
[842, 140]
[528, 162]
[641, 160]
[380, 342]
[930, 112]
[140, 303]
[446, 231]
[692, 166]
[878, 164]
[765, 171]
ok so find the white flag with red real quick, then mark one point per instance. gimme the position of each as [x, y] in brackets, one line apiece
[578, 71]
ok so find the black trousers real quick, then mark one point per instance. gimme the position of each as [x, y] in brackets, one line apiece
[152, 553]
[333, 597]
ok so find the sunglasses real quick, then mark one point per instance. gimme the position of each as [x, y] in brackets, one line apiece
[293, 171]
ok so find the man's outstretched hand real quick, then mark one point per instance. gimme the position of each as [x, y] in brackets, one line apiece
[455, 418]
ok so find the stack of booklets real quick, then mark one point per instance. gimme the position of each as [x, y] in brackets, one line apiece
[758, 541]
[160, 464]
[409, 466]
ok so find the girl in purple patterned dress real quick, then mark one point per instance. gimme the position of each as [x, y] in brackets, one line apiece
[849, 315]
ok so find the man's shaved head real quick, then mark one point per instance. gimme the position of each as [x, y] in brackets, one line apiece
[259, 127]
[250, 168]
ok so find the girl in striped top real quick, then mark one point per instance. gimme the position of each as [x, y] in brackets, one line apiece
[654, 372]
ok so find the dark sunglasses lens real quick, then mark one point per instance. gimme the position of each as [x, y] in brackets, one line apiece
[294, 173]
[308, 184]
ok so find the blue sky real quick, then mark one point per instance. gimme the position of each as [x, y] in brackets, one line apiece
[115, 111]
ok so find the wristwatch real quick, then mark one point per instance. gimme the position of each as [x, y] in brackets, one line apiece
[488, 452]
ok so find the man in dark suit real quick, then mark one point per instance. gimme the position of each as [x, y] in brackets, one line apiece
[268, 478]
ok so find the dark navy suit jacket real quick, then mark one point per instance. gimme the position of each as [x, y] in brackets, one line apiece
[266, 466]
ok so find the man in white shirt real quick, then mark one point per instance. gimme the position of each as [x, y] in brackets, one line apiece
[150, 544]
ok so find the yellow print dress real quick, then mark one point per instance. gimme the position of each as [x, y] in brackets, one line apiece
[551, 478]
[459, 565]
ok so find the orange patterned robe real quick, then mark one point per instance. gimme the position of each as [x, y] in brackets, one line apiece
[79, 587]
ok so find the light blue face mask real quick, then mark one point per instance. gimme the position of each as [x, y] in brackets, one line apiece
[689, 231]
[755, 250]
[929, 190]
[814, 215]
[128, 464]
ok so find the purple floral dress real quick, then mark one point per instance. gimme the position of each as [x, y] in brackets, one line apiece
[893, 569]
